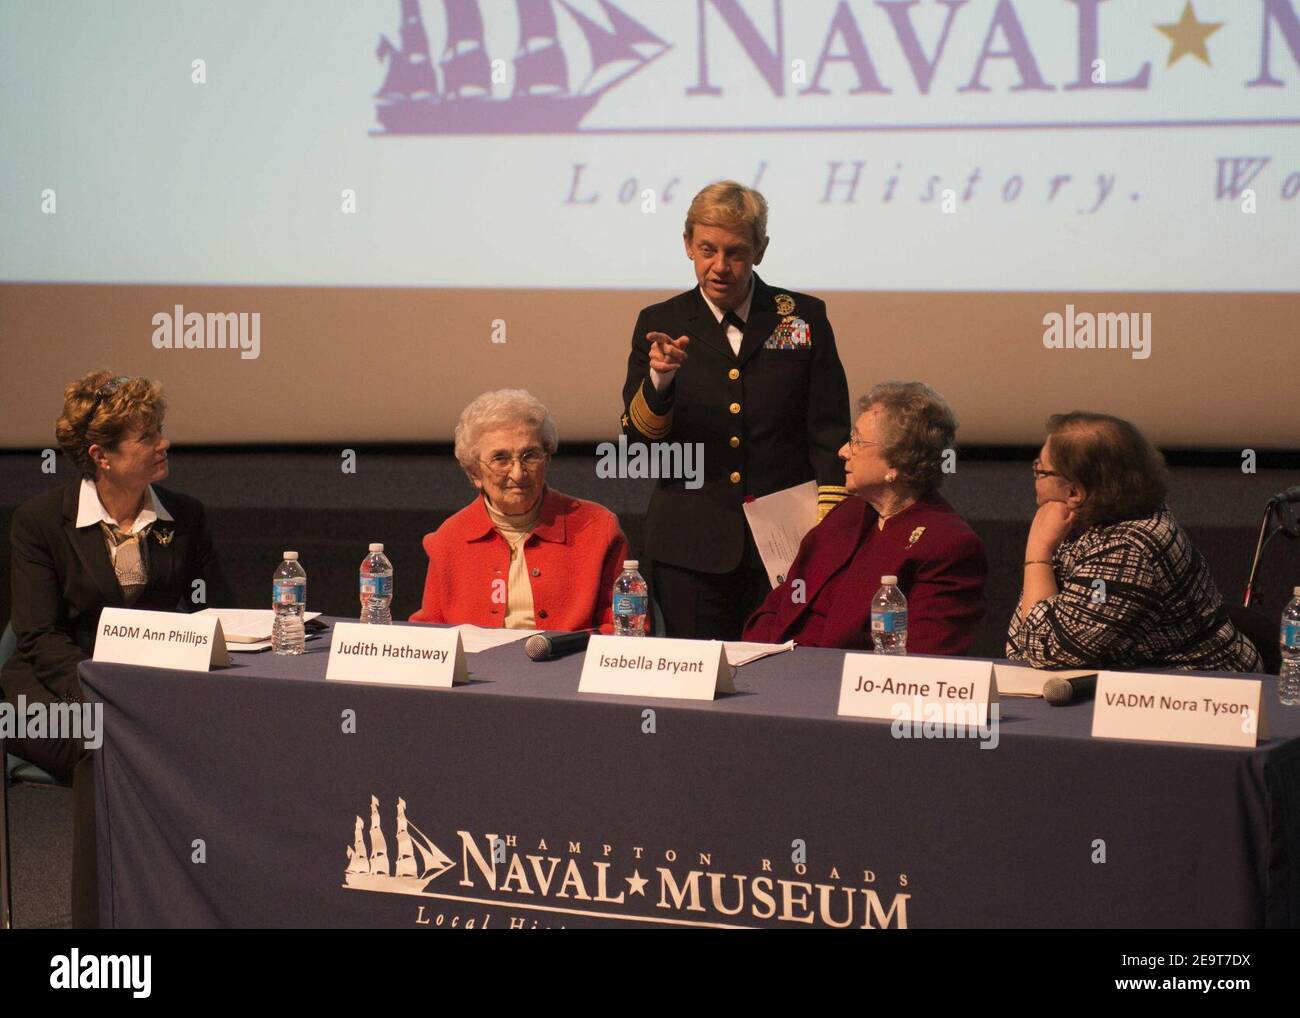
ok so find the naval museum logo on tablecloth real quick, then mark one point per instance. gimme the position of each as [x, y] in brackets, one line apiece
[369, 871]
[579, 883]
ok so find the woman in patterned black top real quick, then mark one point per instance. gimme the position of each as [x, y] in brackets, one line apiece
[1111, 580]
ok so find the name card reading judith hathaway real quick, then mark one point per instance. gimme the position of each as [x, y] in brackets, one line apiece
[891, 687]
[1178, 708]
[654, 666]
[188, 643]
[396, 655]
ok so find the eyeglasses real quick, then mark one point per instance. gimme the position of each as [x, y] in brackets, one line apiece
[1040, 473]
[102, 393]
[856, 443]
[502, 463]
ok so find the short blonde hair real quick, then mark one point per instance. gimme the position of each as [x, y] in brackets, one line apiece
[100, 409]
[917, 426]
[729, 205]
[502, 408]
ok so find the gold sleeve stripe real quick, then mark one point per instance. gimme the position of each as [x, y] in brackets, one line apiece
[828, 497]
[646, 421]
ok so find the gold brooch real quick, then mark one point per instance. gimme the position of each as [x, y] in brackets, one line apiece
[163, 537]
[916, 536]
[784, 304]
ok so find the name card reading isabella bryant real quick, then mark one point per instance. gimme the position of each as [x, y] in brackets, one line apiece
[188, 643]
[653, 666]
[890, 687]
[396, 655]
[1178, 708]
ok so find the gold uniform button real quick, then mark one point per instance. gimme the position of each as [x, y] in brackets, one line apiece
[735, 441]
[735, 408]
[733, 374]
[735, 477]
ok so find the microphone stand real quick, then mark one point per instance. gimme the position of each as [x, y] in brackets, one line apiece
[1286, 524]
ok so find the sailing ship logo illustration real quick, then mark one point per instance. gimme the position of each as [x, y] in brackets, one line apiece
[418, 861]
[456, 96]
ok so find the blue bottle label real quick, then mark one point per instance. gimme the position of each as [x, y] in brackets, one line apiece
[889, 622]
[629, 604]
[289, 593]
[381, 586]
[1291, 635]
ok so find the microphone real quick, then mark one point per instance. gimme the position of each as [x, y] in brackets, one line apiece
[1291, 494]
[1062, 691]
[542, 647]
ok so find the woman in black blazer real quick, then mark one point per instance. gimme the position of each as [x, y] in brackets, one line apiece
[108, 539]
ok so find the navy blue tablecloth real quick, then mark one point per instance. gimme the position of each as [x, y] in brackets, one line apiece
[232, 798]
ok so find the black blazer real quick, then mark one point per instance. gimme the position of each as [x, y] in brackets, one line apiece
[767, 418]
[63, 577]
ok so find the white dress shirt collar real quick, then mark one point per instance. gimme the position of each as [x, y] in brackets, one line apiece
[91, 511]
[742, 309]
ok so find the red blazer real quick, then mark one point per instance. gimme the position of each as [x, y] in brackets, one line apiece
[574, 556]
[941, 572]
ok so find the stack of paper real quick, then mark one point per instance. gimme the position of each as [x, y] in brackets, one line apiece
[248, 629]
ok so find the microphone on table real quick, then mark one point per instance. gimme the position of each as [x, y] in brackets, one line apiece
[542, 647]
[1062, 691]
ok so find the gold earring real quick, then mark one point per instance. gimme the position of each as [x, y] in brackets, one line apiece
[889, 477]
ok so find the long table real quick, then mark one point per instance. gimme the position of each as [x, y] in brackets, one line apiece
[261, 795]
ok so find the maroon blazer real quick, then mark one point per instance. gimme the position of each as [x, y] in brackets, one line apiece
[937, 558]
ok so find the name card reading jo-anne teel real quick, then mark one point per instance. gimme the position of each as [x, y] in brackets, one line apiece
[188, 643]
[892, 687]
[1178, 708]
[396, 655]
[654, 666]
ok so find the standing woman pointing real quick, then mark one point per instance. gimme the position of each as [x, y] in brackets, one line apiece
[750, 372]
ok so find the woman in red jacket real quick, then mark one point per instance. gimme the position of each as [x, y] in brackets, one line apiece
[896, 524]
[521, 555]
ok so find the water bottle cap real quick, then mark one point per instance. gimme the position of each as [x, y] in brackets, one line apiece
[376, 547]
[630, 563]
[889, 581]
[291, 556]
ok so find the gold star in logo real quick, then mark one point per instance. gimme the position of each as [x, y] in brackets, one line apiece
[1189, 36]
[636, 883]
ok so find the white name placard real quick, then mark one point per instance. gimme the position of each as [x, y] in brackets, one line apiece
[395, 655]
[1178, 707]
[189, 643]
[896, 687]
[653, 666]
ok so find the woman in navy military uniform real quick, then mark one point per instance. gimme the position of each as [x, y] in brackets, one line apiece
[751, 373]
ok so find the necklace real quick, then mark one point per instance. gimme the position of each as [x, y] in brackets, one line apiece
[882, 517]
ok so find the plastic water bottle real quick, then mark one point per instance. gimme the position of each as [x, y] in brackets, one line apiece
[377, 587]
[631, 601]
[1288, 685]
[289, 602]
[889, 618]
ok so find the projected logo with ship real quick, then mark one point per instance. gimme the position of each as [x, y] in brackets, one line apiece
[419, 861]
[456, 96]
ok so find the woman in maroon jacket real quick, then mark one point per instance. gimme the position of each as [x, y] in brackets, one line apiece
[897, 524]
